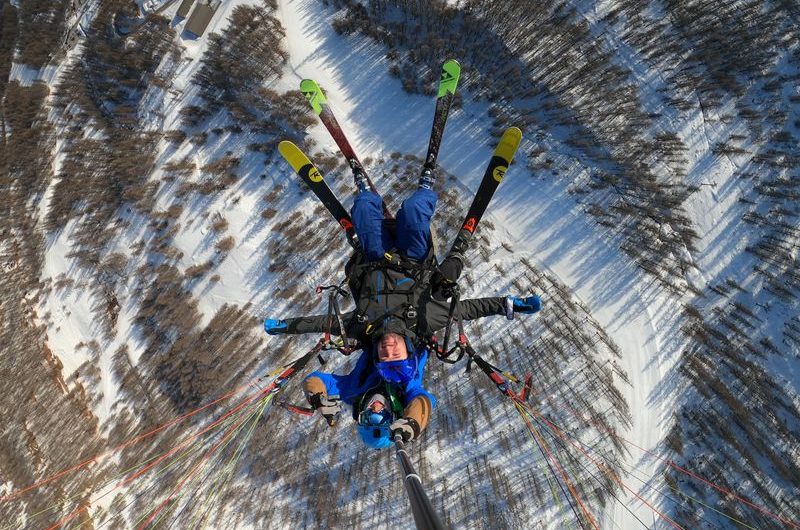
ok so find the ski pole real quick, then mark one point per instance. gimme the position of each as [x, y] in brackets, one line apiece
[425, 517]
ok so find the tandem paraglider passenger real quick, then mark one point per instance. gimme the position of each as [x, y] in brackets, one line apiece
[401, 300]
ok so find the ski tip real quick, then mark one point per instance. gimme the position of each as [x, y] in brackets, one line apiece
[504, 152]
[309, 84]
[293, 155]
[285, 146]
[314, 94]
[302, 165]
[509, 143]
[513, 132]
[451, 71]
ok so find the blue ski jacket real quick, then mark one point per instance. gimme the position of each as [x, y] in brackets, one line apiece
[363, 378]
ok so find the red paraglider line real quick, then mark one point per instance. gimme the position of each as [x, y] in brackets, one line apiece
[190, 438]
[677, 467]
[192, 472]
[600, 466]
[128, 443]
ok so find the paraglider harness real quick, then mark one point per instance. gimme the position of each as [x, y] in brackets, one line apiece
[424, 274]
[416, 270]
[421, 273]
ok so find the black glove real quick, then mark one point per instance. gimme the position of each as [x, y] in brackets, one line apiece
[445, 277]
[330, 409]
[406, 428]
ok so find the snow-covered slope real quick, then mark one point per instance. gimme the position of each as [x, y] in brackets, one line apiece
[164, 314]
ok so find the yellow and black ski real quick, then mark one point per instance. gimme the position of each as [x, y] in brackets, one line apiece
[498, 165]
[312, 176]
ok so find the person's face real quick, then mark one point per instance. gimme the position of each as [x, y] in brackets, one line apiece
[392, 347]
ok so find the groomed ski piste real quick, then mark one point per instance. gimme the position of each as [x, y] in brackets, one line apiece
[532, 217]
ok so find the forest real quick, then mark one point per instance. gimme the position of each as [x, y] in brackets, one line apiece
[615, 104]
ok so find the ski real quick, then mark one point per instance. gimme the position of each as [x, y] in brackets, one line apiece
[312, 176]
[495, 171]
[319, 103]
[448, 81]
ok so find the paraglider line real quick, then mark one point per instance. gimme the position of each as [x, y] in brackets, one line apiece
[677, 467]
[123, 445]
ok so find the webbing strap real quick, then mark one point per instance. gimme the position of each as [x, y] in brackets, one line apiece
[334, 311]
[392, 312]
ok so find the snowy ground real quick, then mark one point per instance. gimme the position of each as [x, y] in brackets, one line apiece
[540, 220]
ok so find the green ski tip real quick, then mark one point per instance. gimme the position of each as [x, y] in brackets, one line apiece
[313, 94]
[451, 71]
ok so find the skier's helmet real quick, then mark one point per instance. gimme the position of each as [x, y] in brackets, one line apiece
[374, 422]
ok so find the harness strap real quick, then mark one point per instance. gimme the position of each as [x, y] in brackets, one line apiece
[394, 260]
[333, 311]
[451, 316]
[412, 269]
[399, 261]
[342, 330]
[406, 292]
[410, 313]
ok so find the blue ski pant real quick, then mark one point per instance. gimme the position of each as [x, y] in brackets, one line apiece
[413, 228]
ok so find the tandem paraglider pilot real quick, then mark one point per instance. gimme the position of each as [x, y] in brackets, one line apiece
[401, 301]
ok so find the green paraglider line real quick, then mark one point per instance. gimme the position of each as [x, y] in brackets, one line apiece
[194, 436]
[543, 447]
[553, 493]
[197, 479]
[192, 472]
[274, 387]
[227, 472]
[77, 511]
[125, 444]
[197, 448]
[610, 473]
[58, 505]
[677, 467]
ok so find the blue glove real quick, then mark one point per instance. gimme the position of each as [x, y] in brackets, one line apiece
[274, 327]
[530, 304]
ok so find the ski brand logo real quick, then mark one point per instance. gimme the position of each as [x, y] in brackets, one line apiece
[313, 99]
[347, 225]
[313, 93]
[314, 175]
[469, 224]
[499, 172]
